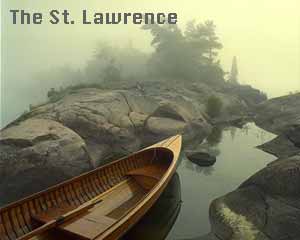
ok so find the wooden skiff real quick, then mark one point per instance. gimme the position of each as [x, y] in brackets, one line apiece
[101, 204]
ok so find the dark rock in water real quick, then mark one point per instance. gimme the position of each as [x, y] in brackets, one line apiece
[201, 158]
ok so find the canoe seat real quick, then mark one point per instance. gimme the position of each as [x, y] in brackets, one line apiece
[148, 176]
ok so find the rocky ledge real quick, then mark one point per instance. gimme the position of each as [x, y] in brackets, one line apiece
[267, 205]
[85, 128]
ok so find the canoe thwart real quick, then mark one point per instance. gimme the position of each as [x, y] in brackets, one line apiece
[147, 177]
[152, 171]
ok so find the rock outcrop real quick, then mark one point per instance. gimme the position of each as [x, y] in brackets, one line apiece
[87, 127]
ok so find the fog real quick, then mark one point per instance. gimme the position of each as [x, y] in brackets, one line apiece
[263, 34]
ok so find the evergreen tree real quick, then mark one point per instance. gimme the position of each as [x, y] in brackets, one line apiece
[234, 72]
[189, 55]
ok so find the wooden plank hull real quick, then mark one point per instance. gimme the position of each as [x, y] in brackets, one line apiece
[107, 201]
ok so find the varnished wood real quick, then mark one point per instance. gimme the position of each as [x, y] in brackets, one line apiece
[101, 204]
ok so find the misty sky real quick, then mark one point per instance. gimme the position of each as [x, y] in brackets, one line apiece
[263, 34]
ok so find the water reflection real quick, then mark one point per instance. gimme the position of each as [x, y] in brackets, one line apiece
[157, 223]
[201, 170]
[237, 160]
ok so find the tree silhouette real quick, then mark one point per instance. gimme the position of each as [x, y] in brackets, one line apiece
[234, 72]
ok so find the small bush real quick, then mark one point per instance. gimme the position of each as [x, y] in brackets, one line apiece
[214, 106]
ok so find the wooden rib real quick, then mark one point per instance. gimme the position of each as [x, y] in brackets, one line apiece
[23, 219]
[14, 222]
[90, 187]
[134, 163]
[129, 163]
[98, 184]
[26, 213]
[81, 192]
[70, 195]
[59, 197]
[110, 176]
[106, 176]
[37, 204]
[77, 194]
[84, 191]
[65, 193]
[128, 168]
[101, 182]
[114, 173]
[8, 226]
[3, 228]
[122, 167]
[53, 198]
[119, 171]
[49, 200]
[43, 203]
[31, 207]
[92, 180]
[74, 197]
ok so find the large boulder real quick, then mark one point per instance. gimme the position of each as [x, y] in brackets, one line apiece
[177, 117]
[37, 153]
[266, 206]
[165, 126]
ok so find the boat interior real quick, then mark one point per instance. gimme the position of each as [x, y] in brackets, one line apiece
[114, 189]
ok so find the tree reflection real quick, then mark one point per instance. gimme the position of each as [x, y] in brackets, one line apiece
[215, 137]
[233, 132]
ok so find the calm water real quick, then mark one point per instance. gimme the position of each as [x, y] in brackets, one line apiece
[238, 159]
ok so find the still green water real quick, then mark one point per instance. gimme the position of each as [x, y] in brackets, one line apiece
[182, 211]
